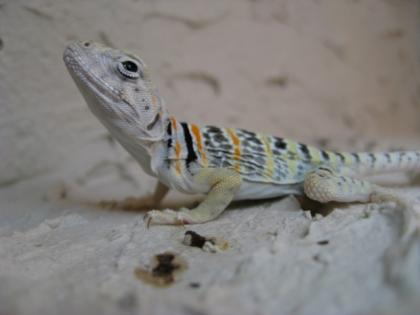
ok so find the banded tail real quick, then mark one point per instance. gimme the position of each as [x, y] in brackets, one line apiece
[385, 161]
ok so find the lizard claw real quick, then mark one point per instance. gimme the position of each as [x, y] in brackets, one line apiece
[167, 216]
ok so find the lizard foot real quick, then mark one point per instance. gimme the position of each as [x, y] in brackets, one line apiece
[168, 216]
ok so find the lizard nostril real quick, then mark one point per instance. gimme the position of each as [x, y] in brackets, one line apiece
[86, 44]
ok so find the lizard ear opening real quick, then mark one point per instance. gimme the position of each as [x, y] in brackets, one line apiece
[156, 128]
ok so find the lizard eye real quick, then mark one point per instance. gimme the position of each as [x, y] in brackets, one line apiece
[129, 69]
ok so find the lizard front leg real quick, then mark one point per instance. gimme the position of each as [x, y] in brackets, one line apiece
[160, 192]
[224, 184]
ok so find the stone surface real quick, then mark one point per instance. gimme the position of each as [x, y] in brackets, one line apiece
[342, 74]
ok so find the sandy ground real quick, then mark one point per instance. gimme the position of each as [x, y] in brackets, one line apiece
[338, 74]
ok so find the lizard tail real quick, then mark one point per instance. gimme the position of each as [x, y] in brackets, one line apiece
[386, 161]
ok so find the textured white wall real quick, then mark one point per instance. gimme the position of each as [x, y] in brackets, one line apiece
[303, 69]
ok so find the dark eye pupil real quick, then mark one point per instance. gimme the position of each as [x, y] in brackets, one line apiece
[130, 66]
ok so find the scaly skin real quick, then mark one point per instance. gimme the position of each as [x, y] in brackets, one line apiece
[225, 164]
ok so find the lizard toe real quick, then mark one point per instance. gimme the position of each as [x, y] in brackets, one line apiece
[167, 217]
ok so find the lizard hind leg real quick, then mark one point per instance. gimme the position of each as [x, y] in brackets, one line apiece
[224, 184]
[325, 185]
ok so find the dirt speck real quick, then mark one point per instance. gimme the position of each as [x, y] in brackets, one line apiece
[59, 191]
[208, 244]
[277, 81]
[394, 33]
[322, 142]
[323, 242]
[194, 239]
[164, 270]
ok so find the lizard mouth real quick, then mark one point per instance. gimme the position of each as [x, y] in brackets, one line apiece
[77, 62]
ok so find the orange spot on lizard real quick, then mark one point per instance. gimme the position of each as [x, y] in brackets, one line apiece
[197, 135]
[178, 147]
[236, 148]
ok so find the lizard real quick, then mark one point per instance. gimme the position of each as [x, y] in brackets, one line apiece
[223, 164]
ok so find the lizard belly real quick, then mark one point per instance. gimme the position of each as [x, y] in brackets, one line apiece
[256, 190]
[186, 183]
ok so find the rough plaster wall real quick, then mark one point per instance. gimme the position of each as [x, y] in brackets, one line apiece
[324, 72]
[349, 65]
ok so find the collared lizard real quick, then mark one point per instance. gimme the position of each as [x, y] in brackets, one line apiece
[224, 164]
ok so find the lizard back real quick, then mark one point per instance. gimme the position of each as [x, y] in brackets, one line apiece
[264, 158]
[256, 156]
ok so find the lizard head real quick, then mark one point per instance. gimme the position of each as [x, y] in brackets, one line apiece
[117, 88]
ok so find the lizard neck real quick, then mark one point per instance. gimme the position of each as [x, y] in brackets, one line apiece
[143, 151]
